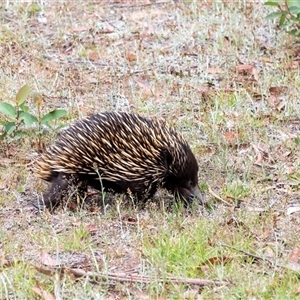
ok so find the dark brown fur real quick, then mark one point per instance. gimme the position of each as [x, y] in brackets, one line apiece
[127, 151]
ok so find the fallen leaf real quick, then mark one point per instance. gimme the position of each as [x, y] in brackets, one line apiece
[244, 69]
[214, 71]
[91, 227]
[292, 65]
[261, 150]
[277, 90]
[176, 71]
[93, 56]
[292, 209]
[273, 101]
[227, 40]
[203, 90]
[294, 255]
[146, 89]
[47, 260]
[267, 60]
[44, 271]
[255, 73]
[297, 290]
[286, 153]
[77, 224]
[160, 100]
[80, 29]
[38, 99]
[218, 260]
[269, 253]
[44, 294]
[294, 266]
[109, 28]
[280, 106]
[247, 70]
[131, 57]
[232, 137]
[290, 169]
[72, 206]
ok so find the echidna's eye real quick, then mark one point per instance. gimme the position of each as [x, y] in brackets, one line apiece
[191, 183]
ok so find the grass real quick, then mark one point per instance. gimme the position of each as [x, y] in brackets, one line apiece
[227, 80]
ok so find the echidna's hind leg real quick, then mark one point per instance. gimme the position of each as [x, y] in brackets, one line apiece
[62, 186]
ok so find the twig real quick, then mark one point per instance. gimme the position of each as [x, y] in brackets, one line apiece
[249, 254]
[125, 277]
[138, 4]
[218, 197]
[292, 265]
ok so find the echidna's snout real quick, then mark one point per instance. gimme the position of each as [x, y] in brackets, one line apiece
[189, 192]
[196, 195]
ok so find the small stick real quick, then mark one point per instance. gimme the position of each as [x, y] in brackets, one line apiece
[249, 254]
[218, 197]
[125, 277]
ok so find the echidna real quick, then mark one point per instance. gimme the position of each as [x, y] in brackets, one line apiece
[123, 152]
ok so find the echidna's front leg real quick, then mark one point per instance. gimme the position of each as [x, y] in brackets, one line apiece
[59, 187]
[62, 187]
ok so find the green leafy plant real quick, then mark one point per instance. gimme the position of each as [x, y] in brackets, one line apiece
[33, 9]
[236, 191]
[17, 118]
[288, 14]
